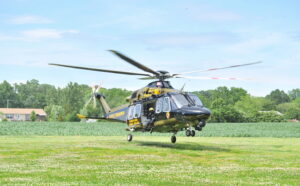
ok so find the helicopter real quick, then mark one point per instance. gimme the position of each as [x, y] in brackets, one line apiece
[157, 107]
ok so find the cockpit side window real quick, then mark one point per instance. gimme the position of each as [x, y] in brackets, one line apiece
[195, 99]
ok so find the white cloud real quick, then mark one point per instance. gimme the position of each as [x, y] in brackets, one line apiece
[187, 39]
[208, 13]
[38, 34]
[6, 37]
[29, 19]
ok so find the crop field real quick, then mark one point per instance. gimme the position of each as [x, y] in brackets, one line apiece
[98, 154]
[278, 130]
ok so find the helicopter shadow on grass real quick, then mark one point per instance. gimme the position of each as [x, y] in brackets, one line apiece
[182, 146]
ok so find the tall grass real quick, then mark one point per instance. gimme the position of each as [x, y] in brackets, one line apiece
[279, 130]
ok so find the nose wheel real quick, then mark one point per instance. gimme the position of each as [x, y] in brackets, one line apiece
[129, 137]
[173, 139]
[200, 125]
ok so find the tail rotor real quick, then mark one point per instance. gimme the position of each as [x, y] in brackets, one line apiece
[95, 90]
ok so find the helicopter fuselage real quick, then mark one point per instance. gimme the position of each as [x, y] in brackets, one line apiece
[168, 112]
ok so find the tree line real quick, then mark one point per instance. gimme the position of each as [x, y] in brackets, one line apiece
[227, 104]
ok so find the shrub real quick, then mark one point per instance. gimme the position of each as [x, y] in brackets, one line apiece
[268, 116]
[227, 114]
[33, 116]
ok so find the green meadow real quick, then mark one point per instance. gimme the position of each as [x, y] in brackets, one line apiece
[98, 154]
[278, 130]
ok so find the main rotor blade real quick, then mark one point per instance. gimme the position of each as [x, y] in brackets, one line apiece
[101, 70]
[214, 78]
[148, 78]
[212, 69]
[134, 63]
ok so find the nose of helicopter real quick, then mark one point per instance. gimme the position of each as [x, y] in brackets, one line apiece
[199, 113]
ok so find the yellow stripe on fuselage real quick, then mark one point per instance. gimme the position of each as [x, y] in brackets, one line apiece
[133, 122]
[116, 115]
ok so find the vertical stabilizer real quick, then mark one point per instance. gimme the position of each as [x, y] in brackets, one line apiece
[103, 102]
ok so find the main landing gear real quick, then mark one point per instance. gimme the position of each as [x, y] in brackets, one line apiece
[190, 132]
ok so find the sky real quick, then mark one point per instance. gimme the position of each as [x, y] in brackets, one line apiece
[172, 35]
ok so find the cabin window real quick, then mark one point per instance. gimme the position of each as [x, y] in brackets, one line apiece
[166, 105]
[137, 110]
[159, 104]
[130, 112]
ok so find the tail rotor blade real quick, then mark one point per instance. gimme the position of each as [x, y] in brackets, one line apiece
[88, 102]
[95, 104]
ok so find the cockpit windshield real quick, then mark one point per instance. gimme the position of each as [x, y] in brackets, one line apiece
[186, 100]
[180, 100]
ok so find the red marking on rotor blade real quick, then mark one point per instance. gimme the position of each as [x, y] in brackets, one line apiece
[215, 78]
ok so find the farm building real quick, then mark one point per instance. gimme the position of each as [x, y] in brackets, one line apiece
[22, 114]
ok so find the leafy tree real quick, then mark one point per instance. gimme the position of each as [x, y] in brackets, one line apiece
[1, 116]
[294, 94]
[115, 96]
[278, 96]
[229, 96]
[290, 110]
[7, 93]
[205, 96]
[55, 113]
[218, 103]
[72, 97]
[33, 116]
[237, 94]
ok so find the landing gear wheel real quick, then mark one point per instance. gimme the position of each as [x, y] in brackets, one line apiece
[188, 133]
[129, 137]
[173, 139]
[193, 133]
[198, 128]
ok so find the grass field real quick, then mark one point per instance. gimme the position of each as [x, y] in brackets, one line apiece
[278, 130]
[85, 154]
[82, 160]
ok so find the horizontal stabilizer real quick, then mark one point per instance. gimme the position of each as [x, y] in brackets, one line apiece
[88, 117]
[99, 118]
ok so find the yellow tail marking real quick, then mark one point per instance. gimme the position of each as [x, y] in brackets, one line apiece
[118, 114]
[81, 116]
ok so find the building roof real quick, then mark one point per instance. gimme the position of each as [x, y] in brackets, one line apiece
[40, 112]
